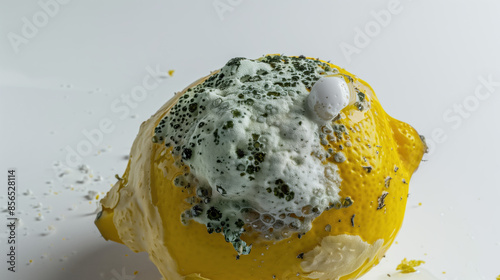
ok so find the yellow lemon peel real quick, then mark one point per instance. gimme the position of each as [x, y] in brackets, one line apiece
[409, 266]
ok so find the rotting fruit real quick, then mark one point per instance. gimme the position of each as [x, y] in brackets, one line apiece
[275, 168]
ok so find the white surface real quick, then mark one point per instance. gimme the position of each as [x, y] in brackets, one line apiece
[83, 66]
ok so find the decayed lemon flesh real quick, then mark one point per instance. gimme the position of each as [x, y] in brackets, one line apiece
[106, 226]
[381, 155]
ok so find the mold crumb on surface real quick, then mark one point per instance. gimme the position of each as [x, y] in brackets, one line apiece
[409, 266]
[45, 210]
[91, 195]
[49, 230]
[167, 74]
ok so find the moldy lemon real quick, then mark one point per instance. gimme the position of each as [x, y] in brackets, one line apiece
[274, 168]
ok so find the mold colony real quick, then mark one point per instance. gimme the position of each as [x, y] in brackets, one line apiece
[247, 135]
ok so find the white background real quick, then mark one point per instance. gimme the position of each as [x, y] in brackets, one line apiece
[81, 63]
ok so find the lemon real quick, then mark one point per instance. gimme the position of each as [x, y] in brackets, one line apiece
[156, 206]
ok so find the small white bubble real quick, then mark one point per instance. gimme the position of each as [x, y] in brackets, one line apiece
[328, 96]
[328, 228]
[217, 102]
